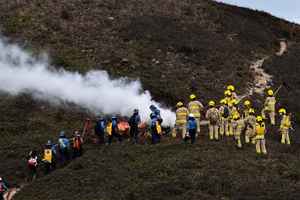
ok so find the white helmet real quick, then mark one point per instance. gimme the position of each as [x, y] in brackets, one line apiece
[0, 178]
[191, 115]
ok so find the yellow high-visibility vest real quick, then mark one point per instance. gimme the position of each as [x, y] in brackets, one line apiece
[194, 108]
[109, 128]
[158, 128]
[181, 115]
[260, 130]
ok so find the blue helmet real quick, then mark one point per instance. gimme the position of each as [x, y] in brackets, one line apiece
[152, 115]
[62, 134]
[152, 107]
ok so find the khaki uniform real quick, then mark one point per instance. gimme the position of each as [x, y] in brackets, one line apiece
[260, 131]
[238, 126]
[269, 108]
[213, 115]
[224, 122]
[195, 108]
[181, 120]
[285, 125]
[233, 111]
[250, 122]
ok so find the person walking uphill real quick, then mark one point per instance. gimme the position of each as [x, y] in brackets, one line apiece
[134, 122]
[269, 107]
[250, 122]
[195, 107]
[49, 158]
[181, 120]
[64, 147]
[32, 164]
[238, 126]
[285, 126]
[225, 114]
[214, 118]
[192, 129]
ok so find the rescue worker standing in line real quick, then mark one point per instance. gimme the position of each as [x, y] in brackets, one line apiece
[156, 112]
[155, 129]
[233, 111]
[285, 125]
[100, 130]
[134, 122]
[225, 113]
[181, 120]
[269, 107]
[77, 145]
[32, 164]
[213, 116]
[49, 157]
[195, 107]
[238, 126]
[3, 188]
[260, 131]
[231, 88]
[112, 130]
[64, 147]
[247, 107]
[250, 122]
[191, 128]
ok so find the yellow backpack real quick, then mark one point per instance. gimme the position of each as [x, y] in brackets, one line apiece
[158, 128]
[109, 128]
[48, 155]
[260, 128]
[287, 122]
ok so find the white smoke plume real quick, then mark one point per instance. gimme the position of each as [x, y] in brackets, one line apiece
[95, 91]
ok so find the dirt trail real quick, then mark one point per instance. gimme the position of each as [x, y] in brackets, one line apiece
[283, 48]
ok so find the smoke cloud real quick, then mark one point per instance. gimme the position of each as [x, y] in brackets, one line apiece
[20, 72]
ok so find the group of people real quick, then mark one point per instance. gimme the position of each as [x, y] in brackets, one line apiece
[230, 118]
[63, 151]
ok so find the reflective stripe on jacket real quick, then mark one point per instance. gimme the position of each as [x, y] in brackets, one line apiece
[181, 115]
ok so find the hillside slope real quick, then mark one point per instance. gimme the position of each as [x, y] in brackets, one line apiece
[174, 47]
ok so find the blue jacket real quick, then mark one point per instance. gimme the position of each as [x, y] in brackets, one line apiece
[135, 120]
[100, 127]
[63, 143]
[192, 124]
[114, 123]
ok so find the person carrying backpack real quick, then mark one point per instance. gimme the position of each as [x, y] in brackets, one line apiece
[3, 188]
[32, 164]
[213, 116]
[285, 126]
[225, 113]
[155, 129]
[64, 147]
[49, 158]
[100, 130]
[112, 130]
[134, 123]
[77, 145]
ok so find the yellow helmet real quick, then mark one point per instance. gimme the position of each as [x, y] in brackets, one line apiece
[211, 103]
[236, 116]
[259, 119]
[251, 111]
[230, 88]
[270, 92]
[235, 102]
[192, 96]
[247, 103]
[179, 104]
[223, 101]
[282, 111]
[227, 93]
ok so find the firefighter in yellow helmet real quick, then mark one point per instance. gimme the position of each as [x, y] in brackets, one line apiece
[231, 88]
[260, 131]
[285, 126]
[238, 126]
[247, 107]
[233, 111]
[269, 107]
[195, 107]
[250, 122]
[181, 120]
[225, 113]
[213, 116]
[228, 96]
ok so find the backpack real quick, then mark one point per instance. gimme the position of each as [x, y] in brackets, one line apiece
[226, 112]
[214, 117]
[48, 155]
[32, 162]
